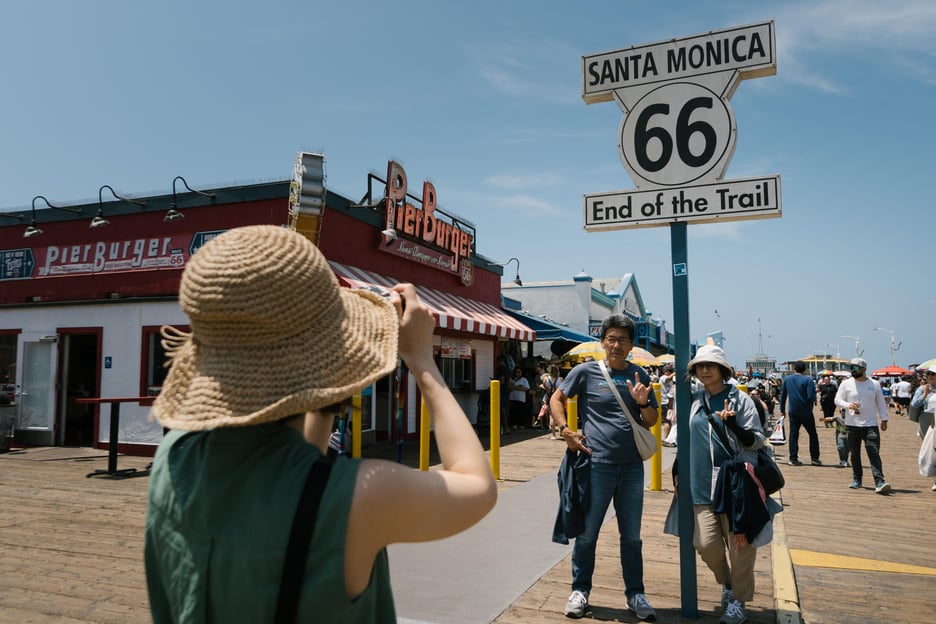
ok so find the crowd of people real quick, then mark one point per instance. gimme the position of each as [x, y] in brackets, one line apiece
[243, 478]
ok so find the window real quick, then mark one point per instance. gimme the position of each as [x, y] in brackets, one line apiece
[154, 358]
[456, 361]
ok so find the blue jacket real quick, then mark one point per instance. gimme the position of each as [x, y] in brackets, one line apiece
[737, 496]
[573, 478]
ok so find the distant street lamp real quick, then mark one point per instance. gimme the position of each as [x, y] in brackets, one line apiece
[858, 350]
[893, 349]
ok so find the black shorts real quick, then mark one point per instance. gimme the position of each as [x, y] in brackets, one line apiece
[903, 401]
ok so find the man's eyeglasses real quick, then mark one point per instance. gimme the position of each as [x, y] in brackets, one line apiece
[618, 340]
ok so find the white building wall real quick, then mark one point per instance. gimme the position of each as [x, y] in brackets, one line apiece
[121, 335]
[559, 302]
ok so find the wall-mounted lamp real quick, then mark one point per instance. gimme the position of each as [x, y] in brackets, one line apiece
[33, 229]
[99, 220]
[173, 213]
[503, 264]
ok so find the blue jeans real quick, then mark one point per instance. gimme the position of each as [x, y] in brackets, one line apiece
[623, 484]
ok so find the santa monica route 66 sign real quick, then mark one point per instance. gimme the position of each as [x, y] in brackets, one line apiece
[678, 133]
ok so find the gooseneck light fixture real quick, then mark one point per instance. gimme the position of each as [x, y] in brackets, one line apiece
[99, 220]
[173, 213]
[516, 279]
[33, 229]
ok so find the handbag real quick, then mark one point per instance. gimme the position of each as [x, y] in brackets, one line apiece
[766, 469]
[928, 454]
[644, 439]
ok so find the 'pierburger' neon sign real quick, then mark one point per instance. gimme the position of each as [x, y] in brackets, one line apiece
[424, 225]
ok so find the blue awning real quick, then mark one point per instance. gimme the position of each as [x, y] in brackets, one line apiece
[547, 330]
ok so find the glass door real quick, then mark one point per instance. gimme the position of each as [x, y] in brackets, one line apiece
[35, 378]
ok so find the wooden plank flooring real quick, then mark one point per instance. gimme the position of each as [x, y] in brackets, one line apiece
[71, 546]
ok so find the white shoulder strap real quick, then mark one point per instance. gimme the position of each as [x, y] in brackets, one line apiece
[617, 395]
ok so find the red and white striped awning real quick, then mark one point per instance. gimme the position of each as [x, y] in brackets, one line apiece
[450, 311]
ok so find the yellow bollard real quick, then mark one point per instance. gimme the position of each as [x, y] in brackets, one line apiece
[423, 435]
[572, 414]
[495, 428]
[656, 462]
[356, 426]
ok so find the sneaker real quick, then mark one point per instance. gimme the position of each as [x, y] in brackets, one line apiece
[843, 464]
[575, 607]
[639, 604]
[734, 613]
[855, 485]
[816, 462]
[882, 487]
[933, 488]
[727, 596]
[795, 462]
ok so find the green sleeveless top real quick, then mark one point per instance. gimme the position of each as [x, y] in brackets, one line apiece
[220, 511]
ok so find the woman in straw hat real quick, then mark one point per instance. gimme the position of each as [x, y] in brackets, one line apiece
[275, 350]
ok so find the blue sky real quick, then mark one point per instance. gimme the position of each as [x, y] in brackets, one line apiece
[484, 99]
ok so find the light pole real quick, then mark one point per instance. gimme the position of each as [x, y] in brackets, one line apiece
[858, 350]
[893, 349]
[838, 355]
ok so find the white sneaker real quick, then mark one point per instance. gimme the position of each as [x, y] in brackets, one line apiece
[726, 596]
[734, 613]
[639, 604]
[575, 607]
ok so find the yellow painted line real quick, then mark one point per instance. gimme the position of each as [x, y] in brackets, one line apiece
[813, 559]
[786, 596]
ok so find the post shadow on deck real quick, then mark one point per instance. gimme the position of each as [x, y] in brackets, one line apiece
[112, 471]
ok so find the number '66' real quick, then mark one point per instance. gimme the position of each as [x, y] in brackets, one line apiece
[685, 129]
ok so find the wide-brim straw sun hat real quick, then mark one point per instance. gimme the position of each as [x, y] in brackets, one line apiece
[273, 334]
[710, 354]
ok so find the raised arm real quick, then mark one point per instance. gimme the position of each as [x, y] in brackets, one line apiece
[394, 503]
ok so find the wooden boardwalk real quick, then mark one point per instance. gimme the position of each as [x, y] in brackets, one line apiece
[71, 546]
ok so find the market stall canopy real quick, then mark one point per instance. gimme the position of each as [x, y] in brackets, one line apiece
[450, 311]
[890, 371]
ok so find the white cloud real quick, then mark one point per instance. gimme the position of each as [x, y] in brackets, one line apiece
[898, 34]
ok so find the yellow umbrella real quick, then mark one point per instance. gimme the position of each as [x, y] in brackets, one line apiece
[642, 357]
[926, 364]
[594, 350]
[666, 358]
[584, 350]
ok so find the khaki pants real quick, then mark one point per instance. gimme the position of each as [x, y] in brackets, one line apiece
[711, 538]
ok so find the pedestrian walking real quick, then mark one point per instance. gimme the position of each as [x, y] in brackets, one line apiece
[797, 398]
[865, 419]
[924, 402]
